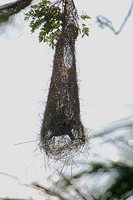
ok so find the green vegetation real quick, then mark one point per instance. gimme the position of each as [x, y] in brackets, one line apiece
[49, 17]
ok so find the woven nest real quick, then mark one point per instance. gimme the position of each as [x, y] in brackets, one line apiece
[62, 130]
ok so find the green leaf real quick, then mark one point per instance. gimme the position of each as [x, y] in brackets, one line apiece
[48, 17]
[85, 17]
[41, 36]
[85, 31]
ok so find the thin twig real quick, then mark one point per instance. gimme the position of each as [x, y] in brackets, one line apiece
[104, 22]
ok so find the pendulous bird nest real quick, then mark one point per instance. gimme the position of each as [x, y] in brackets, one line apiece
[62, 130]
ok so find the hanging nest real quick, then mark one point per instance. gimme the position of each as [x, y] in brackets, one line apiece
[62, 130]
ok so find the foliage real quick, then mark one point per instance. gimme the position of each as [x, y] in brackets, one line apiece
[120, 189]
[87, 183]
[4, 18]
[123, 183]
[48, 17]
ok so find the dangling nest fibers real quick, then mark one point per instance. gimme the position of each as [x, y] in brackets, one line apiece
[62, 130]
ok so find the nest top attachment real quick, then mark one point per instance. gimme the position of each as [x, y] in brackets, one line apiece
[62, 131]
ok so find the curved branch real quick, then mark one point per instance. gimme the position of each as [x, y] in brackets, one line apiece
[12, 8]
[104, 22]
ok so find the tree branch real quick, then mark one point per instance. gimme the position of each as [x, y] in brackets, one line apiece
[12, 8]
[104, 22]
[12, 199]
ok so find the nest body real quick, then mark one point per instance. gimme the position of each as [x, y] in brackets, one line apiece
[62, 130]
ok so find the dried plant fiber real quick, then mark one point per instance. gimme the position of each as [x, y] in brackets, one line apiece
[62, 130]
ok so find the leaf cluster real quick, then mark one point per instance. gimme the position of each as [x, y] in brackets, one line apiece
[84, 29]
[4, 18]
[48, 17]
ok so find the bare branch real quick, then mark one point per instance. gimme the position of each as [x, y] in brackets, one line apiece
[12, 8]
[9, 175]
[104, 22]
[50, 192]
[117, 125]
[13, 199]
